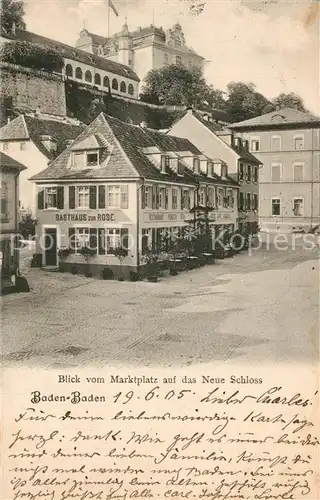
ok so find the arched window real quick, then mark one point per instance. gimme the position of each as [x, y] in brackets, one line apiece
[88, 76]
[106, 82]
[79, 73]
[115, 85]
[130, 89]
[69, 70]
[123, 87]
[97, 79]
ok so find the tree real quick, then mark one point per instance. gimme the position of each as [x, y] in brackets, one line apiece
[291, 100]
[177, 85]
[32, 55]
[244, 101]
[12, 12]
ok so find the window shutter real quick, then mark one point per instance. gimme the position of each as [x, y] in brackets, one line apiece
[154, 204]
[166, 198]
[72, 239]
[72, 197]
[124, 196]
[102, 197]
[41, 199]
[101, 242]
[60, 197]
[157, 197]
[125, 239]
[143, 197]
[93, 239]
[93, 197]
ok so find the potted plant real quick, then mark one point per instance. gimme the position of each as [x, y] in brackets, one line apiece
[87, 252]
[121, 253]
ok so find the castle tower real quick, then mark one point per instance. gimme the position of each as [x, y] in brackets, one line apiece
[125, 47]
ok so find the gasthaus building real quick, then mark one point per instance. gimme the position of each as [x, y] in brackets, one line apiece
[124, 185]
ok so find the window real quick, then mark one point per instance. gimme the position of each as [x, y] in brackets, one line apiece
[255, 144]
[230, 198]
[147, 201]
[82, 238]
[276, 172]
[97, 79]
[123, 87]
[88, 76]
[224, 170]
[51, 198]
[163, 198]
[209, 168]
[185, 199]
[241, 171]
[117, 196]
[220, 197]
[241, 202]
[79, 73]
[211, 197]
[248, 203]
[255, 174]
[5, 146]
[92, 159]
[83, 196]
[196, 165]
[298, 142]
[275, 206]
[115, 84]
[255, 202]
[298, 207]
[249, 176]
[113, 239]
[106, 82]
[23, 146]
[166, 59]
[130, 89]
[174, 198]
[202, 197]
[178, 60]
[4, 198]
[69, 70]
[298, 172]
[276, 143]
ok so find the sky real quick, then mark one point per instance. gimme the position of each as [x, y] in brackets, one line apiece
[272, 43]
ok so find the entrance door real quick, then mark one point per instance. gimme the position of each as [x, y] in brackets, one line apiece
[50, 247]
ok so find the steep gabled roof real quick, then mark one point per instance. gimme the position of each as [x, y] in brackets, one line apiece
[75, 54]
[30, 127]
[6, 162]
[281, 117]
[127, 158]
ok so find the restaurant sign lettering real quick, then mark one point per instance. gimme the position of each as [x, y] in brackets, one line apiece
[81, 217]
[164, 216]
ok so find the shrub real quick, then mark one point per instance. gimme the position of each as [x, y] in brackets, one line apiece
[107, 273]
[31, 55]
[27, 224]
[135, 276]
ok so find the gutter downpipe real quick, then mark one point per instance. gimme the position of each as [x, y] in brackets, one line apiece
[138, 222]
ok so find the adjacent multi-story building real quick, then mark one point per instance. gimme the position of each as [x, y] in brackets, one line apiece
[287, 141]
[9, 206]
[215, 141]
[143, 49]
[92, 70]
[120, 184]
[35, 140]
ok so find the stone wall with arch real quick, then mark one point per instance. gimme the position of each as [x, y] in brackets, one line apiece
[103, 80]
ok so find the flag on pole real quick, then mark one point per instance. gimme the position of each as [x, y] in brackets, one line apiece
[113, 7]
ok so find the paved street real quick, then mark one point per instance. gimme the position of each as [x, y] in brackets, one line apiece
[262, 307]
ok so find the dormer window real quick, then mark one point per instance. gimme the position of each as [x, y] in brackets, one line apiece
[196, 165]
[85, 159]
[92, 159]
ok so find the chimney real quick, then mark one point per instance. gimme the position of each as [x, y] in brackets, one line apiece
[49, 142]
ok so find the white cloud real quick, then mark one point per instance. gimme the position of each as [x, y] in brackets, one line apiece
[268, 44]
